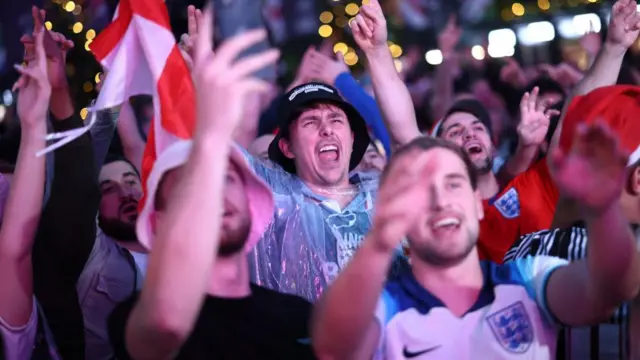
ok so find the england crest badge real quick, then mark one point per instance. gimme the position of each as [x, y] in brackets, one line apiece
[508, 204]
[512, 328]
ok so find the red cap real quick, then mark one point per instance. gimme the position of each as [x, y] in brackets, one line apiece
[618, 106]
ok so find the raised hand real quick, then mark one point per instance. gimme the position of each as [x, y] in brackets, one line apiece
[511, 73]
[222, 81]
[591, 41]
[449, 37]
[188, 40]
[56, 47]
[534, 119]
[370, 27]
[593, 172]
[624, 25]
[563, 73]
[327, 68]
[306, 69]
[326, 47]
[33, 86]
[404, 195]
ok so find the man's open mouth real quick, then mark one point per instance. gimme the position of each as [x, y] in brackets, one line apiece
[445, 225]
[129, 208]
[328, 153]
[473, 149]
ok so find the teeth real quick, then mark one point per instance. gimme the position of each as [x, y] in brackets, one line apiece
[328, 148]
[446, 222]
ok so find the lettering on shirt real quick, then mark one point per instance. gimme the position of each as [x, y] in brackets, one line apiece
[348, 230]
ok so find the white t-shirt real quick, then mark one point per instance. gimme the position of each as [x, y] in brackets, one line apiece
[19, 341]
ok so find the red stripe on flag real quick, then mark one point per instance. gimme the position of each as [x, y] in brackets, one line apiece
[177, 100]
[150, 10]
[177, 112]
[148, 159]
[109, 38]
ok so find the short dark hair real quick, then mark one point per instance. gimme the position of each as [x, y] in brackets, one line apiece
[111, 157]
[426, 143]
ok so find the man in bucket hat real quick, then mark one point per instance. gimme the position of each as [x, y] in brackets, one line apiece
[326, 157]
[322, 206]
[205, 210]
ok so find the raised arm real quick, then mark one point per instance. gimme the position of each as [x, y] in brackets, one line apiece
[74, 192]
[594, 174]
[132, 142]
[247, 132]
[24, 204]
[344, 322]
[444, 74]
[393, 97]
[623, 31]
[532, 130]
[187, 239]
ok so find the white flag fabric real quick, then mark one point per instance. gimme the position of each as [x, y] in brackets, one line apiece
[140, 54]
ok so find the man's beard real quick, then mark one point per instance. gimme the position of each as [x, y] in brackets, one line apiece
[484, 167]
[234, 240]
[118, 230]
[437, 258]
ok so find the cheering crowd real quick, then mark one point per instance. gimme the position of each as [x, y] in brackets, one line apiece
[345, 230]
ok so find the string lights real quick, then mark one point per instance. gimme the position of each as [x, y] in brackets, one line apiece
[517, 9]
[340, 48]
[504, 42]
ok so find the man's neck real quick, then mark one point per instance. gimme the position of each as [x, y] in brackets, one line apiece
[456, 286]
[488, 185]
[230, 278]
[342, 192]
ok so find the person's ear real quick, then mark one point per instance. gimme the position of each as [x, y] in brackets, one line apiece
[633, 185]
[285, 147]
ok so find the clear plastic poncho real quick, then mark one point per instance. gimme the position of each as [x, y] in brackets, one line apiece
[311, 238]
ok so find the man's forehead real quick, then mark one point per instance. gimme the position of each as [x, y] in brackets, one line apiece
[116, 169]
[451, 165]
[459, 118]
[446, 160]
[171, 177]
[322, 107]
